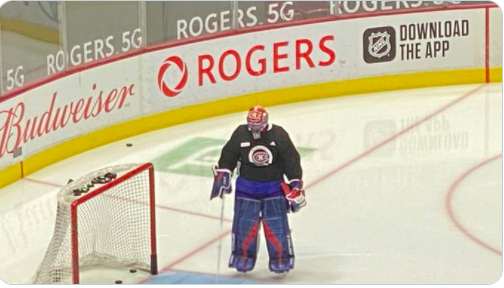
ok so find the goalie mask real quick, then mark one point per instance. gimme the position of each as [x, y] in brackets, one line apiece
[257, 120]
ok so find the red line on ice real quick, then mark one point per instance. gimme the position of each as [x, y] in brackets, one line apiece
[449, 207]
[197, 250]
[42, 182]
[392, 138]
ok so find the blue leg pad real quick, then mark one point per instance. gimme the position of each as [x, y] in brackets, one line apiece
[277, 232]
[245, 230]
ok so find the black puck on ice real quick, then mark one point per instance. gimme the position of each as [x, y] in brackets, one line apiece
[132, 270]
[76, 192]
[118, 282]
[129, 145]
[111, 175]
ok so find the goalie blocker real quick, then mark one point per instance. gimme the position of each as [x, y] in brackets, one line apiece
[222, 182]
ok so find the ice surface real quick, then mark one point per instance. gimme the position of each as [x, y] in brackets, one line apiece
[378, 174]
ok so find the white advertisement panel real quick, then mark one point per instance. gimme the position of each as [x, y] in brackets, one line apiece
[72, 106]
[421, 42]
[309, 54]
[247, 63]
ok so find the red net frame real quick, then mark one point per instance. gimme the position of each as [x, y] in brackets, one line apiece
[152, 207]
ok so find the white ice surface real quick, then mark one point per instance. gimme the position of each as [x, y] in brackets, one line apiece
[380, 219]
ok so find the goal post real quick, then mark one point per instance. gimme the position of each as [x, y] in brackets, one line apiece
[106, 218]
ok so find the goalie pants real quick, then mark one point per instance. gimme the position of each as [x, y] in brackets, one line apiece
[249, 213]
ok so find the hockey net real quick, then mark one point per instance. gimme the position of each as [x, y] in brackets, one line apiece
[111, 225]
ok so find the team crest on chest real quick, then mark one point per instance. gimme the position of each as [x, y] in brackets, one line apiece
[261, 156]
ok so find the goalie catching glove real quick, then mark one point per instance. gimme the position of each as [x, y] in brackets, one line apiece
[295, 195]
[222, 182]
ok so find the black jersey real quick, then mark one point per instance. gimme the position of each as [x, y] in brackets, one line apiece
[262, 160]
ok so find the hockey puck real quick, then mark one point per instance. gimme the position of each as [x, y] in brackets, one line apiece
[132, 270]
[90, 185]
[129, 145]
[111, 175]
[99, 180]
[118, 282]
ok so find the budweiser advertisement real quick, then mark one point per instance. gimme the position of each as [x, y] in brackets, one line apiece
[67, 108]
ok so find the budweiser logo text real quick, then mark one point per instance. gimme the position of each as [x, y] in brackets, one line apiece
[16, 130]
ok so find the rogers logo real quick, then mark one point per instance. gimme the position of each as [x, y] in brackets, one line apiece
[254, 61]
[172, 61]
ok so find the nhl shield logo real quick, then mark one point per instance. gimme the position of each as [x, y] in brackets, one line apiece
[379, 44]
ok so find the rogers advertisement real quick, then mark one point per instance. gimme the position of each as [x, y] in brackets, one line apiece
[357, 7]
[227, 66]
[248, 63]
[303, 55]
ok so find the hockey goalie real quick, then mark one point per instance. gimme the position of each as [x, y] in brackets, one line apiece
[267, 160]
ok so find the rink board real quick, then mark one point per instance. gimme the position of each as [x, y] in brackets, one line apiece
[129, 96]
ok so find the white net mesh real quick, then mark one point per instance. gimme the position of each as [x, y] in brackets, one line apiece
[114, 226]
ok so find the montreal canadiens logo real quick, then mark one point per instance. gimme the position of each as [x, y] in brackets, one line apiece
[173, 61]
[254, 116]
[260, 156]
